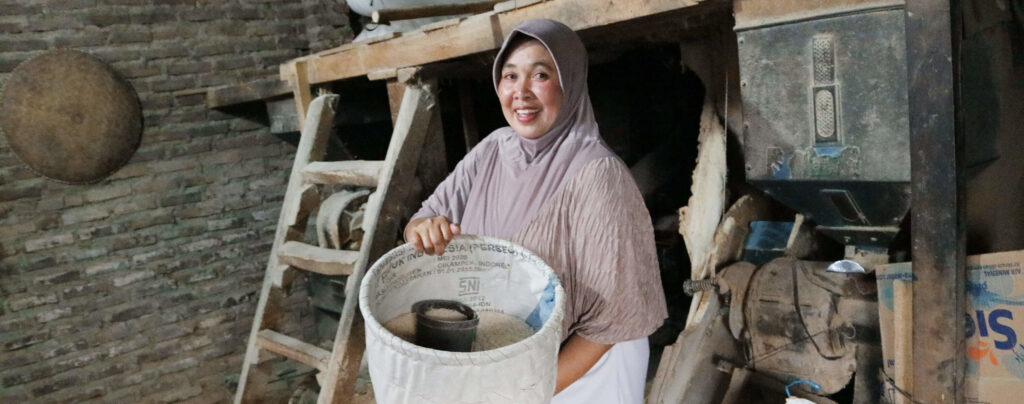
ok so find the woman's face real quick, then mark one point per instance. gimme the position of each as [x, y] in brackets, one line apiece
[529, 89]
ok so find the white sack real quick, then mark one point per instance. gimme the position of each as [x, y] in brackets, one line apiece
[487, 274]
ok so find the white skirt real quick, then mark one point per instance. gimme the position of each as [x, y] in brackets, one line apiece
[617, 378]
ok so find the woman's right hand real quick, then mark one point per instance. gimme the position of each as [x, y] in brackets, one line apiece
[431, 235]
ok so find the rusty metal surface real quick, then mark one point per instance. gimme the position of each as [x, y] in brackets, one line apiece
[752, 13]
[937, 182]
[825, 111]
[826, 99]
[735, 279]
[70, 117]
[799, 334]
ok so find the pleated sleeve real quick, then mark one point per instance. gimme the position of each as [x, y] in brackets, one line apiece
[618, 281]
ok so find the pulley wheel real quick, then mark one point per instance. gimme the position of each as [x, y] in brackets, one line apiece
[70, 117]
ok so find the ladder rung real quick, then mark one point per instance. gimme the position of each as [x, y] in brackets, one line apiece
[351, 172]
[306, 353]
[315, 259]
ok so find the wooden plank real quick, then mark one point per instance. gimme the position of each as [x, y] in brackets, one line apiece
[396, 92]
[297, 205]
[514, 4]
[299, 81]
[246, 92]
[479, 33]
[937, 201]
[440, 24]
[305, 353]
[383, 212]
[316, 259]
[350, 172]
[903, 338]
[436, 10]
[801, 241]
[699, 219]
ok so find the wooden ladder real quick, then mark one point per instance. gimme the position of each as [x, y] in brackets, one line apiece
[339, 367]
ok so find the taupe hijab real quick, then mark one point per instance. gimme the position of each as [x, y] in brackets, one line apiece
[506, 179]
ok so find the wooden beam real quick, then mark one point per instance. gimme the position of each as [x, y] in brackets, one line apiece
[937, 207]
[308, 354]
[298, 79]
[479, 33]
[349, 172]
[394, 14]
[325, 261]
[246, 92]
[396, 91]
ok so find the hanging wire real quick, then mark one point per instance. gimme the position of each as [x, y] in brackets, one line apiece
[889, 381]
[845, 330]
[814, 386]
[803, 323]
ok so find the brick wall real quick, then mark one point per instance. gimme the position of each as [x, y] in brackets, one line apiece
[142, 288]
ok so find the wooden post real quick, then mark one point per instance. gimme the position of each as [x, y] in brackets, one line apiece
[395, 92]
[903, 338]
[937, 184]
[298, 78]
[469, 127]
[432, 166]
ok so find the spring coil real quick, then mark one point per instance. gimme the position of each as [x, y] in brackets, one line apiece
[690, 286]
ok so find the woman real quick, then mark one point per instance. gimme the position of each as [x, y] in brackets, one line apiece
[548, 183]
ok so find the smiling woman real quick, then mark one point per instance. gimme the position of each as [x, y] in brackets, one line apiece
[529, 90]
[549, 183]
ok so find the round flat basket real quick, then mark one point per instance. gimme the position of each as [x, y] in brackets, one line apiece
[70, 117]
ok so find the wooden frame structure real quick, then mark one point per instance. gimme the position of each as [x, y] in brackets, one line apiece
[383, 58]
[938, 230]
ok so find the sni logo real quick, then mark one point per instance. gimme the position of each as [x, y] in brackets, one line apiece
[469, 286]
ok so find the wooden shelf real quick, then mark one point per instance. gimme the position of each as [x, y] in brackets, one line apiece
[247, 92]
[441, 45]
[479, 33]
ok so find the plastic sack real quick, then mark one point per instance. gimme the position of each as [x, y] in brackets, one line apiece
[487, 274]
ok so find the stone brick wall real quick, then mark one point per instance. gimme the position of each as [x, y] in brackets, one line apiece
[142, 288]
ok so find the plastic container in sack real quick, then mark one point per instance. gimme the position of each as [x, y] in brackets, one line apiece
[445, 334]
[486, 274]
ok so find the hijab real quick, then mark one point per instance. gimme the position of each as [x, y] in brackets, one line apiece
[507, 179]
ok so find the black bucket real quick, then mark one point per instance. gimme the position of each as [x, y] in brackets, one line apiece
[443, 334]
